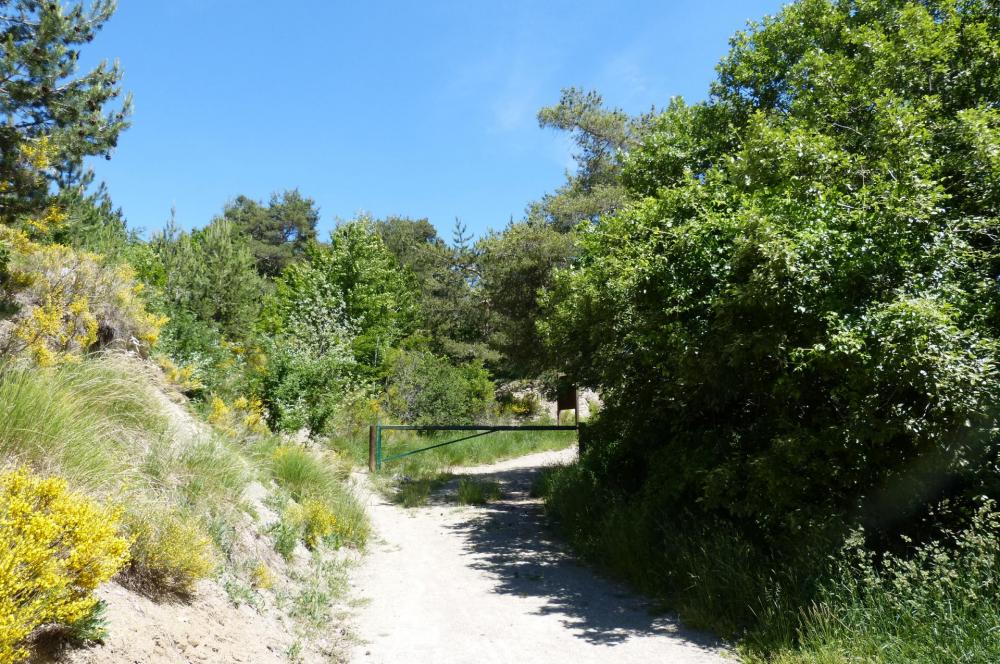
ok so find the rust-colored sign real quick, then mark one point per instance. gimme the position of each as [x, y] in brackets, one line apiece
[566, 398]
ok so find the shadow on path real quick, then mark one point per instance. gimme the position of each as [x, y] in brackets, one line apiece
[512, 540]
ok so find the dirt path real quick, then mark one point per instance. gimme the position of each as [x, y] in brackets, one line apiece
[449, 584]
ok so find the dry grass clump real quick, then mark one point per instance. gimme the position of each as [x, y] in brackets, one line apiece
[171, 551]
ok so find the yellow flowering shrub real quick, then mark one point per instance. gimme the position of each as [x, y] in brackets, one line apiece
[243, 415]
[262, 577]
[70, 301]
[316, 521]
[50, 219]
[170, 553]
[56, 547]
[251, 413]
[219, 413]
[32, 162]
[182, 377]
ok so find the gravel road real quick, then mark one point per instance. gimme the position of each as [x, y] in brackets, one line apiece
[455, 584]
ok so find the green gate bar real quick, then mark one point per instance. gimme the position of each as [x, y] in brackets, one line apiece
[375, 458]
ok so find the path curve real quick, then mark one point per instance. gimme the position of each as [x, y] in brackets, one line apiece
[456, 584]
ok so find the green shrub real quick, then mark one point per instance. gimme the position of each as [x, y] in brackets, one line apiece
[478, 492]
[426, 389]
[935, 603]
[91, 628]
[284, 537]
[792, 321]
[323, 583]
[315, 520]
[171, 551]
[212, 275]
[324, 506]
[68, 302]
[304, 389]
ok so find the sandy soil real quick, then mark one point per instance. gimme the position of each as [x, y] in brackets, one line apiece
[448, 584]
[208, 629]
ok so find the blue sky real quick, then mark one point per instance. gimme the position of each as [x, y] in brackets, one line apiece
[422, 109]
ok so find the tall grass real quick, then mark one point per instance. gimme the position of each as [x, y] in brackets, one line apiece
[307, 474]
[477, 491]
[100, 424]
[86, 421]
[937, 604]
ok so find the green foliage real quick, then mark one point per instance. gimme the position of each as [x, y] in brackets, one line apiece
[450, 311]
[285, 537]
[54, 117]
[322, 585]
[211, 274]
[478, 492]
[378, 298]
[91, 628]
[311, 359]
[7, 306]
[323, 509]
[303, 389]
[279, 233]
[423, 388]
[92, 222]
[513, 267]
[415, 244]
[334, 318]
[799, 300]
[933, 604]
[602, 137]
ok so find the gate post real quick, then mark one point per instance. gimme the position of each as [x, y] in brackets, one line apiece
[371, 448]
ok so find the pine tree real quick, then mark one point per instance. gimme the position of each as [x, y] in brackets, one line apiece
[51, 118]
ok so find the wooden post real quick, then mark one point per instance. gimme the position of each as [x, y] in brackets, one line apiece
[371, 448]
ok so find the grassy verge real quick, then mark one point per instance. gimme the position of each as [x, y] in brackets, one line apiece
[932, 603]
[410, 481]
[313, 499]
[476, 451]
[478, 492]
[101, 425]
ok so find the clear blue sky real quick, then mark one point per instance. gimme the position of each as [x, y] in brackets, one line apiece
[424, 109]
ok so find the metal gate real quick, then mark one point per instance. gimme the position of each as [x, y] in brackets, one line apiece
[375, 458]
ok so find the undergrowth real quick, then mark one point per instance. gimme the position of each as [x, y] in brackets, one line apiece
[929, 603]
[478, 492]
[315, 504]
